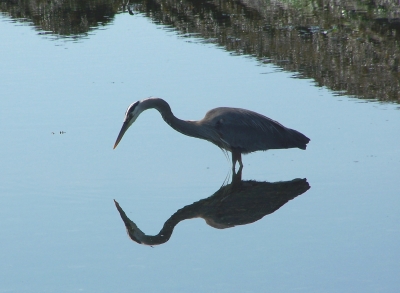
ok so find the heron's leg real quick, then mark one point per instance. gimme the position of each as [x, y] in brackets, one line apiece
[236, 157]
[240, 161]
[237, 176]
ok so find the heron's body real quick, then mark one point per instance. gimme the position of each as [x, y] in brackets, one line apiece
[236, 130]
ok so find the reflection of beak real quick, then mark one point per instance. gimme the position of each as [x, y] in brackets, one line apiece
[124, 128]
[131, 228]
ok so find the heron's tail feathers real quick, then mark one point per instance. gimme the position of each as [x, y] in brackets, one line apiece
[298, 139]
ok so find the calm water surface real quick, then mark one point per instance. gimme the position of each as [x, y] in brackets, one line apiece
[62, 105]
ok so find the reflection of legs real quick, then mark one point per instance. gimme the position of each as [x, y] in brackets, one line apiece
[237, 176]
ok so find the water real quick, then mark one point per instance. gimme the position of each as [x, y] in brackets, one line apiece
[60, 230]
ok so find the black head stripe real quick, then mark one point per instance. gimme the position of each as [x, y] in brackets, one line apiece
[131, 108]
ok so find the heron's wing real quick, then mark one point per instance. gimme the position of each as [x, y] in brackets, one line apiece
[248, 131]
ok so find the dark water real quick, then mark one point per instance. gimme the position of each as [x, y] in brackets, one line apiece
[321, 220]
[351, 47]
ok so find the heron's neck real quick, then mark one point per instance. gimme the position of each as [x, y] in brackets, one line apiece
[163, 236]
[190, 128]
[160, 238]
[187, 212]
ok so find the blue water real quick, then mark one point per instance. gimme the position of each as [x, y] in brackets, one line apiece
[60, 230]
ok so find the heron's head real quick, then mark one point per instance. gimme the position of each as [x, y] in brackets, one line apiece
[131, 114]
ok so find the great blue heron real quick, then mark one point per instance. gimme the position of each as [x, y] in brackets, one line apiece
[236, 130]
[238, 203]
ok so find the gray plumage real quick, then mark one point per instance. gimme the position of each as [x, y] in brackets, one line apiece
[236, 130]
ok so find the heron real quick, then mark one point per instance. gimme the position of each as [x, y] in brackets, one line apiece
[236, 130]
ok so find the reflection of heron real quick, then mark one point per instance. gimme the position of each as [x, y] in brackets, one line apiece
[238, 203]
[236, 130]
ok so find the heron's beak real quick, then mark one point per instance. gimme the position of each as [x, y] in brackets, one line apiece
[124, 128]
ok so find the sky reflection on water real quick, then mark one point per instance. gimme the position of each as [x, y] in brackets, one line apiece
[60, 229]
